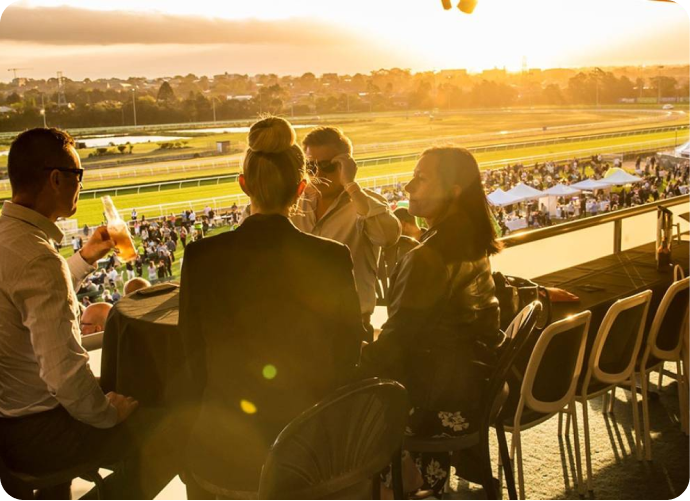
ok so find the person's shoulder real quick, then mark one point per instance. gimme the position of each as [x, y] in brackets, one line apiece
[324, 248]
[375, 195]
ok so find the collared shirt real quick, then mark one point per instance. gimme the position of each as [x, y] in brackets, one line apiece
[42, 361]
[364, 235]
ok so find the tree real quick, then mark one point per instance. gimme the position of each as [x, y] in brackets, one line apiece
[13, 98]
[166, 93]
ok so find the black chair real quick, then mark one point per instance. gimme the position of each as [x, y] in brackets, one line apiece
[491, 409]
[337, 449]
[22, 485]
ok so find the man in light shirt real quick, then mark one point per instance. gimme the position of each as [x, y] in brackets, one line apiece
[336, 207]
[53, 413]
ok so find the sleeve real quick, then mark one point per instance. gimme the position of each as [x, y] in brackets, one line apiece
[79, 269]
[380, 225]
[190, 320]
[48, 307]
[418, 288]
[348, 340]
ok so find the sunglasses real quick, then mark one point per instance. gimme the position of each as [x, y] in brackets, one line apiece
[325, 166]
[78, 172]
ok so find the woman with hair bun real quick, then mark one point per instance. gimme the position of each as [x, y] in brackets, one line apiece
[270, 318]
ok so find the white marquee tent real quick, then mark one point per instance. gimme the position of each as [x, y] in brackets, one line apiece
[500, 198]
[523, 192]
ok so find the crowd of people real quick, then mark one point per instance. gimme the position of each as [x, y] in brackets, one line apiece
[658, 182]
[293, 286]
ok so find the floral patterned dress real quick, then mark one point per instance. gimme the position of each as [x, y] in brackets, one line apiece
[435, 467]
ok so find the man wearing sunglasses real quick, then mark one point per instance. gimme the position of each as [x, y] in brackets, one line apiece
[336, 207]
[53, 413]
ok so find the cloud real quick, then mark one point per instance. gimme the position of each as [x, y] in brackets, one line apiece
[66, 25]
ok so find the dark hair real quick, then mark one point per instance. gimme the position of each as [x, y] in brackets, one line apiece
[457, 166]
[404, 215]
[322, 136]
[31, 152]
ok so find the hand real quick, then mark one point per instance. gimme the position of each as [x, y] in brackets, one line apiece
[124, 405]
[347, 168]
[98, 245]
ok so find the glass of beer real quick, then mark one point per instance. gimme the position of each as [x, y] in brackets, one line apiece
[118, 231]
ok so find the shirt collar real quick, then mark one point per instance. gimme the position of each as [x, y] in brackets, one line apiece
[33, 218]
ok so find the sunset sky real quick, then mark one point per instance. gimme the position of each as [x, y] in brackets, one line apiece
[164, 38]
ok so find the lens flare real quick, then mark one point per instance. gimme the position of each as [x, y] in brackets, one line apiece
[247, 407]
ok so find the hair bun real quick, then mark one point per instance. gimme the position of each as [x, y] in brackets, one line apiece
[271, 135]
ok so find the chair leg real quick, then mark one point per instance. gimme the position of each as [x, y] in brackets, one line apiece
[660, 382]
[613, 399]
[396, 475]
[504, 459]
[682, 396]
[588, 450]
[518, 461]
[576, 437]
[560, 424]
[567, 424]
[644, 377]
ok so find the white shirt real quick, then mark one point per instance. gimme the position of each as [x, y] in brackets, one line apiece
[42, 361]
[364, 235]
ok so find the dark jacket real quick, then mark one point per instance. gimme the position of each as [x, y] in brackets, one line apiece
[271, 323]
[442, 317]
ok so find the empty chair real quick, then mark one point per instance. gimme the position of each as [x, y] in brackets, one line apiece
[337, 448]
[612, 362]
[549, 384]
[664, 344]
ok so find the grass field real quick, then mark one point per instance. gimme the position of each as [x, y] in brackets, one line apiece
[384, 128]
[365, 130]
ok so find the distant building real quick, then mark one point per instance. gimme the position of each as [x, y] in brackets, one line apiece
[223, 146]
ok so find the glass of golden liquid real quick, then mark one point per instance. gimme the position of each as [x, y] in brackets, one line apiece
[118, 231]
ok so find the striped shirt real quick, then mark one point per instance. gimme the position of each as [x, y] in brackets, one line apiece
[42, 361]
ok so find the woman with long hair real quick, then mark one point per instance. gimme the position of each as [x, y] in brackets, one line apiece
[443, 314]
[269, 315]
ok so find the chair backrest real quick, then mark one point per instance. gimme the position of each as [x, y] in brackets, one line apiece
[523, 331]
[665, 340]
[678, 273]
[555, 365]
[334, 449]
[618, 340]
[512, 329]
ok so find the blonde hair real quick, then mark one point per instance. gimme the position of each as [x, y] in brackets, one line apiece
[274, 164]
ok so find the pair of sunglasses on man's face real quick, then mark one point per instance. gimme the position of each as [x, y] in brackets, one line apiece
[325, 166]
[78, 172]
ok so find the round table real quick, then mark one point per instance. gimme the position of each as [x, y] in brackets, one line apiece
[143, 354]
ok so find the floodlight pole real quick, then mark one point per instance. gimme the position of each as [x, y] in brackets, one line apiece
[43, 112]
[134, 106]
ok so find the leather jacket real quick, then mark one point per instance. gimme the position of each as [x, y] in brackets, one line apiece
[442, 333]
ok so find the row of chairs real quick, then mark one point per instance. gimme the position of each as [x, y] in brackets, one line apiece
[336, 449]
[556, 379]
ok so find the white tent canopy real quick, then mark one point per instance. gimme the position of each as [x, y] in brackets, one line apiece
[683, 150]
[590, 185]
[523, 192]
[618, 177]
[561, 190]
[500, 198]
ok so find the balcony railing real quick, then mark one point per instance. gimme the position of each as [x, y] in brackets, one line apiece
[533, 253]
